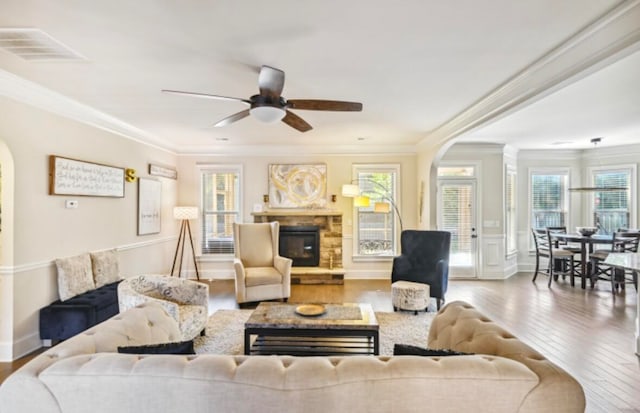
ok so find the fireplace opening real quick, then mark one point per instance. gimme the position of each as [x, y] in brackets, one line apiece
[301, 244]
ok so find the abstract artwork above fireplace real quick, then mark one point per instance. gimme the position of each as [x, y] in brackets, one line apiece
[298, 186]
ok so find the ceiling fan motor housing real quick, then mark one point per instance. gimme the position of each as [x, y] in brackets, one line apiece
[263, 100]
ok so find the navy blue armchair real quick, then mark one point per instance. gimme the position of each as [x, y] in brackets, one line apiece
[424, 259]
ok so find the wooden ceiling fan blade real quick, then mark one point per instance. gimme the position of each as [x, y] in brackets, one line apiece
[270, 81]
[316, 104]
[296, 122]
[205, 95]
[233, 118]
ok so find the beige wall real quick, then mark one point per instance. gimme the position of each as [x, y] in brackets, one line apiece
[42, 229]
[339, 172]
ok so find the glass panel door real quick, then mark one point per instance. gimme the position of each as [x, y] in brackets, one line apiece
[457, 214]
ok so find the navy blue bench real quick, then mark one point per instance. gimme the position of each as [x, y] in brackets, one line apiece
[63, 319]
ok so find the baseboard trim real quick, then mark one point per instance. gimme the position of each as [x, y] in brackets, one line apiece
[367, 275]
[27, 344]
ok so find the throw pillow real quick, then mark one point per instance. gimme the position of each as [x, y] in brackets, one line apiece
[105, 267]
[74, 276]
[181, 347]
[409, 350]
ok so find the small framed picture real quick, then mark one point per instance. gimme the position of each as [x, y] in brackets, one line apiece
[257, 208]
[149, 206]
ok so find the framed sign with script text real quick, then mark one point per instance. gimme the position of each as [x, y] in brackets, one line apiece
[74, 177]
[149, 206]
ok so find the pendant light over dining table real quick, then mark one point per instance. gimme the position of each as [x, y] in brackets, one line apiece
[595, 142]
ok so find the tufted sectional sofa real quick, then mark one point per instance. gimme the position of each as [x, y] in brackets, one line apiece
[85, 373]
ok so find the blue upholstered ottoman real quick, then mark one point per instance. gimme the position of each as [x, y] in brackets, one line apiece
[63, 319]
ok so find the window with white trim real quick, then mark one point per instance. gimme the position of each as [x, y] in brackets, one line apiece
[611, 210]
[376, 223]
[548, 198]
[220, 206]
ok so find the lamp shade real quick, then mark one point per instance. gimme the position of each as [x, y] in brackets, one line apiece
[350, 190]
[381, 207]
[267, 114]
[361, 201]
[185, 212]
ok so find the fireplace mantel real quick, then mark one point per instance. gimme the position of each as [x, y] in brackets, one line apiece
[298, 213]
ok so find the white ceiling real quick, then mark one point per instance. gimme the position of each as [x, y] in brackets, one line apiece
[416, 65]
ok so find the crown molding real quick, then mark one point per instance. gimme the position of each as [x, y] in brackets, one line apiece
[33, 94]
[580, 55]
[549, 154]
[298, 150]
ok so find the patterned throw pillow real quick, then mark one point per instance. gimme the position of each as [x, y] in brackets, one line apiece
[409, 350]
[74, 276]
[181, 347]
[105, 267]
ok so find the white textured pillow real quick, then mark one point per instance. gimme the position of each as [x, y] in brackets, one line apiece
[105, 267]
[74, 276]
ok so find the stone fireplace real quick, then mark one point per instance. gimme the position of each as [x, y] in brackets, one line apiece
[329, 223]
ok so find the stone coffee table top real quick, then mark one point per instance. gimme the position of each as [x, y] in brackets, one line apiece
[350, 316]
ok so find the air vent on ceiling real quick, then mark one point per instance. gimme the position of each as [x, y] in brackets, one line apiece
[35, 45]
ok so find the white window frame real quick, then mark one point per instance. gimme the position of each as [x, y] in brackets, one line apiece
[218, 168]
[390, 167]
[566, 196]
[632, 169]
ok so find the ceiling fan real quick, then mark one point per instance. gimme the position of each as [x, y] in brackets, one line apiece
[269, 106]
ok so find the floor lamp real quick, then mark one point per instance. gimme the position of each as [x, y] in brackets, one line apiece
[361, 199]
[184, 213]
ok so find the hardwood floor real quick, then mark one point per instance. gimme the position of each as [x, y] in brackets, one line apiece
[589, 333]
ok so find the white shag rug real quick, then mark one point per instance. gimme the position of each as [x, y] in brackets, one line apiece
[225, 331]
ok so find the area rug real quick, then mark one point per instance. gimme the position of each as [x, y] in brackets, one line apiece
[225, 331]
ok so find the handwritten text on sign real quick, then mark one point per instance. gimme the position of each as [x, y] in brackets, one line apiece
[72, 177]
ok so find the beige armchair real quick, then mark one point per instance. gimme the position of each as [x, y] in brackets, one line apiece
[185, 300]
[261, 274]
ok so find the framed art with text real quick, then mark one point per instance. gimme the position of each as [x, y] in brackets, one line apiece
[74, 177]
[149, 206]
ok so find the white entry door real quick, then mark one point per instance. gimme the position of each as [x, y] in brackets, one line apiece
[457, 214]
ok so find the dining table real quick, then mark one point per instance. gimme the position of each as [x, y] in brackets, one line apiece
[586, 247]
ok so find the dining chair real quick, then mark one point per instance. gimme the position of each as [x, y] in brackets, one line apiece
[576, 249]
[623, 242]
[545, 248]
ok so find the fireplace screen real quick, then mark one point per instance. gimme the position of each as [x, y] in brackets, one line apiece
[301, 244]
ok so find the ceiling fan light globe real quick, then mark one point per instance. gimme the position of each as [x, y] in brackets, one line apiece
[268, 114]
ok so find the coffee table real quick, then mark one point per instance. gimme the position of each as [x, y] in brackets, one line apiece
[344, 329]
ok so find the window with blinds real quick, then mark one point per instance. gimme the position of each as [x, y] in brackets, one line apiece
[220, 208]
[375, 227]
[456, 215]
[548, 199]
[510, 212]
[611, 209]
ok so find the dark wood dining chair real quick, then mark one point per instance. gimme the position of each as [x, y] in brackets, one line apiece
[623, 242]
[545, 248]
[576, 249]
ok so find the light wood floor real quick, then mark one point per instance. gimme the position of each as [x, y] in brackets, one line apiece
[589, 333]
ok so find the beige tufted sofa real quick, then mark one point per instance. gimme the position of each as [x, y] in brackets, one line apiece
[85, 374]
